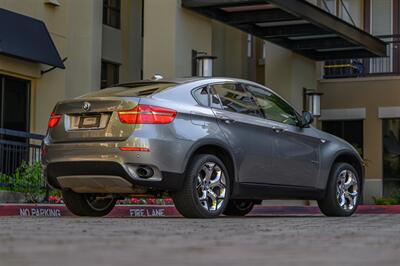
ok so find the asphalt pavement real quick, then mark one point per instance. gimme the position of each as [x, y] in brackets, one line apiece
[290, 240]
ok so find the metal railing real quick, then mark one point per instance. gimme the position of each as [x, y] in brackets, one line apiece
[18, 148]
[352, 68]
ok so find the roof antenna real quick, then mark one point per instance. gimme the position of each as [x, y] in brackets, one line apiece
[157, 77]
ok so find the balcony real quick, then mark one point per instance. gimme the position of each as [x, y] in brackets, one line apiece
[367, 67]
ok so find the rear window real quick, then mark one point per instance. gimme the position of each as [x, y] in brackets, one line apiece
[133, 90]
[201, 96]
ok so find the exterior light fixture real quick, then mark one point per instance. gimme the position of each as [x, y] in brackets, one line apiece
[314, 102]
[202, 64]
[205, 65]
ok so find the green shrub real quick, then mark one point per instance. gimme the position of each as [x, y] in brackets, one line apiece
[396, 196]
[27, 179]
[394, 199]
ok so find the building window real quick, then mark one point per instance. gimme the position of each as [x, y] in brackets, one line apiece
[14, 103]
[350, 130]
[391, 156]
[329, 6]
[109, 74]
[112, 13]
[14, 115]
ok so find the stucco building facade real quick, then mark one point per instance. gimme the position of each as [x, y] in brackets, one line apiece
[112, 41]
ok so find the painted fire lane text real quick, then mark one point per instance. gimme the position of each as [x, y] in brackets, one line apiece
[147, 212]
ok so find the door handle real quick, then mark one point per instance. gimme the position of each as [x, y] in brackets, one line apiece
[228, 120]
[278, 129]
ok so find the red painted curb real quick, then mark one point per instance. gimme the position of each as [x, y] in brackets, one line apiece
[125, 211]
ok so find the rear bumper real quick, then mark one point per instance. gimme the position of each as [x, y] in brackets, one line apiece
[100, 160]
[166, 181]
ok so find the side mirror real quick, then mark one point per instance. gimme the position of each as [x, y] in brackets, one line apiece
[307, 119]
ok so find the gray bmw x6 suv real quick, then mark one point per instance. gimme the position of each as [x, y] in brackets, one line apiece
[215, 145]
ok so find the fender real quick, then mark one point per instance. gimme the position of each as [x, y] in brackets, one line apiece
[213, 142]
[327, 168]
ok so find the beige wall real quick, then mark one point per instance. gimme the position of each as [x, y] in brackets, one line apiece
[159, 38]
[288, 73]
[132, 42]
[169, 39]
[84, 47]
[230, 46]
[193, 32]
[370, 94]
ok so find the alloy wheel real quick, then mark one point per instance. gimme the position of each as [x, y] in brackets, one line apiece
[211, 186]
[347, 190]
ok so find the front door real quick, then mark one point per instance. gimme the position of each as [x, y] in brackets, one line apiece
[298, 152]
[296, 161]
[14, 115]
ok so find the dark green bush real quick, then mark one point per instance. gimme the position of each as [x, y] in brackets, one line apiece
[385, 201]
[27, 179]
[394, 199]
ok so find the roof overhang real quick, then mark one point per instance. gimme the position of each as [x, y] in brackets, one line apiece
[27, 38]
[296, 25]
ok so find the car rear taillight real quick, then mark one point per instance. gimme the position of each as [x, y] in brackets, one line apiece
[53, 120]
[147, 114]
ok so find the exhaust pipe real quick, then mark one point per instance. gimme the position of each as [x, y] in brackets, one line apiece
[144, 172]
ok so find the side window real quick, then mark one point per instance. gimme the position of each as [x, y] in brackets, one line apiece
[273, 107]
[201, 95]
[235, 98]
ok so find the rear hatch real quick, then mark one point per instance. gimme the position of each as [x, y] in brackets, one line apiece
[94, 117]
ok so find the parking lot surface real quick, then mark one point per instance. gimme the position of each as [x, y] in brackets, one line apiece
[291, 240]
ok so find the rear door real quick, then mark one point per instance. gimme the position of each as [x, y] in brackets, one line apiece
[244, 127]
[296, 161]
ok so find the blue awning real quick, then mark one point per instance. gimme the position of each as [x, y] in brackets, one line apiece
[27, 38]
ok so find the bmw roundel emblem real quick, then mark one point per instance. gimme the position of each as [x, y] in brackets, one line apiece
[86, 106]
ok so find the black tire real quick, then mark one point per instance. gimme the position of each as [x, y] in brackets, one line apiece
[79, 204]
[239, 207]
[187, 200]
[330, 204]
